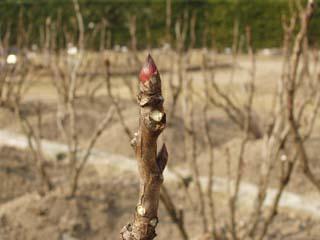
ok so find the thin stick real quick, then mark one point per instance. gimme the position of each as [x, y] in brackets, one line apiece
[95, 136]
[305, 17]
[177, 216]
[115, 102]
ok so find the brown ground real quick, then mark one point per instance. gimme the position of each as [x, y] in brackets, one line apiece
[101, 208]
[105, 205]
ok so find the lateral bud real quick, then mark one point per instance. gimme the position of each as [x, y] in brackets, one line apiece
[162, 158]
[155, 121]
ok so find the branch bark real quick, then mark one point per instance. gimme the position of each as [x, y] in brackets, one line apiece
[152, 121]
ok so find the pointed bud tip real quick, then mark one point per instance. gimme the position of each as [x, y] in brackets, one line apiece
[150, 59]
[162, 158]
[148, 70]
[164, 149]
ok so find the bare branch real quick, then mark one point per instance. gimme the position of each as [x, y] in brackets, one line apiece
[305, 17]
[152, 122]
[115, 102]
[176, 215]
[211, 170]
[95, 136]
[190, 143]
[80, 24]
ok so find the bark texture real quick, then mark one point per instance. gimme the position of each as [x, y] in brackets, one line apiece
[152, 121]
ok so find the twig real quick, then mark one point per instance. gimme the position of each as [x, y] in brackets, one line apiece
[210, 143]
[305, 17]
[115, 102]
[95, 136]
[152, 122]
[211, 171]
[190, 143]
[177, 216]
[248, 119]
[286, 172]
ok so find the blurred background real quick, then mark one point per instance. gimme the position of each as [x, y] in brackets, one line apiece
[241, 83]
[153, 27]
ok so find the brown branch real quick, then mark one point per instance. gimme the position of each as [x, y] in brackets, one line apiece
[7, 35]
[115, 102]
[206, 31]
[193, 29]
[185, 183]
[277, 140]
[34, 138]
[235, 194]
[236, 113]
[95, 136]
[104, 25]
[248, 120]
[80, 24]
[305, 17]
[127, 80]
[211, 171]
[132, 22]
[176, 215]
[132, 26]
[176, 89]
[273, 144]
[288, 28]
[181, 31]
[152, 122]
[235, 48]
[67, 84]
[209, 97]
[286, 173]
[312, 118]
[210, 143]
[168, 20]
[190, 146]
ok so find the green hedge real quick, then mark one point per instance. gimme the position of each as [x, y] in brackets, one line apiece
[264, 17]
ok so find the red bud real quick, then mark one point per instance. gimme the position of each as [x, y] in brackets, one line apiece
[148, 70]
